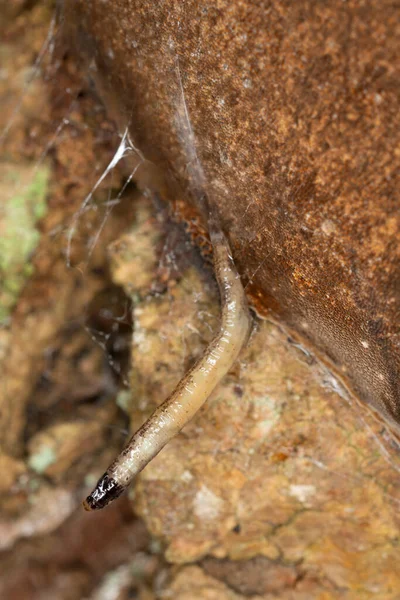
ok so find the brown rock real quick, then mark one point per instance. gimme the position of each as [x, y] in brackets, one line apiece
[294, 135]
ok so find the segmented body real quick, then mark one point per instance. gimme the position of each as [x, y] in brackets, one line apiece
[193, 389]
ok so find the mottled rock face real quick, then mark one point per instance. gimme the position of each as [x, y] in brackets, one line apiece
[278, 488]
[294, 113]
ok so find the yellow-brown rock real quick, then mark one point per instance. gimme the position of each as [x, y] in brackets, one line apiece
[280, 472]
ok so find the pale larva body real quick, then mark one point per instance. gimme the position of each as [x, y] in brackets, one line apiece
[193, 389]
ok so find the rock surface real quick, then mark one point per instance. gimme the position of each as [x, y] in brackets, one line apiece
[283, 487]
[281, 476]
[287, 116]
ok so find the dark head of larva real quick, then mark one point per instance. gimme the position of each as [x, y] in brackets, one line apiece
[106, 490]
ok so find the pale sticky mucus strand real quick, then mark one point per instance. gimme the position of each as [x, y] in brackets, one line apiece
[193, 389]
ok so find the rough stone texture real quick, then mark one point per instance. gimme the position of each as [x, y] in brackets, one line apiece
[49, 140]
[280, 489]
[282, 486]
[60, 327]
[294, 108]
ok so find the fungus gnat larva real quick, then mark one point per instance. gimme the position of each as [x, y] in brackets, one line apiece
[193, 389]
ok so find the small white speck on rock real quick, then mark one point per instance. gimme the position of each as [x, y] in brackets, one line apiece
[207, 505]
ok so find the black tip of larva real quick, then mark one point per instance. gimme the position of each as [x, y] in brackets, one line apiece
[106, 490]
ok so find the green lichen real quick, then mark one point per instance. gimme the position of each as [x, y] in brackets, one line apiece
[42, 459]
[19, 236]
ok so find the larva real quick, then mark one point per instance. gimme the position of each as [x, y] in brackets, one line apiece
[193, 389]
